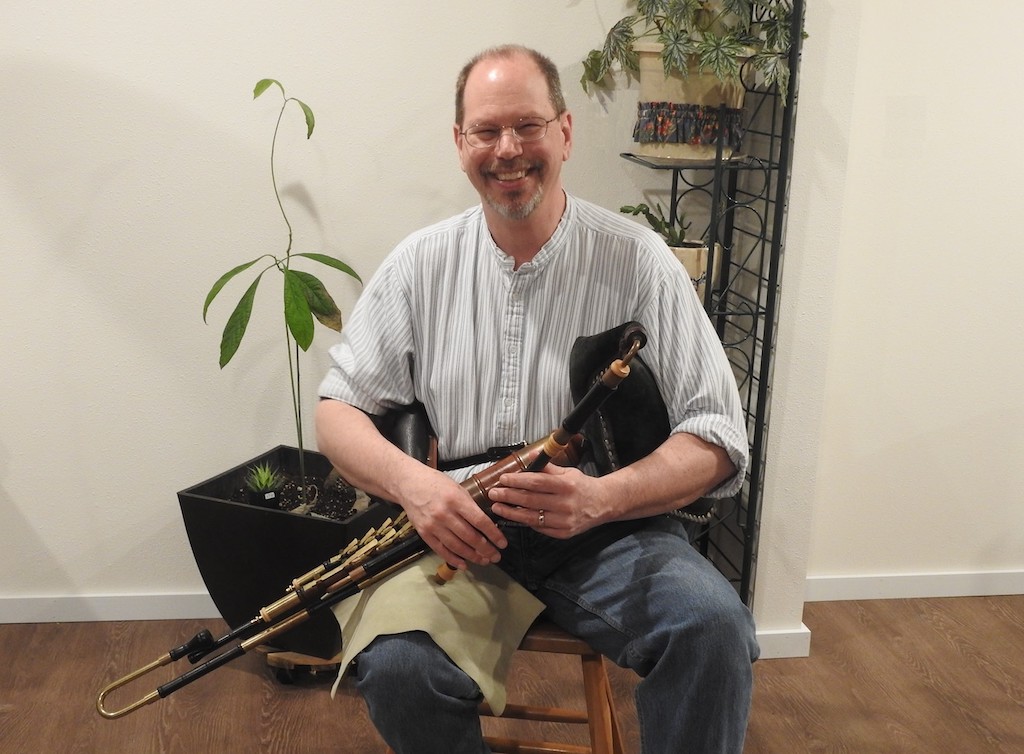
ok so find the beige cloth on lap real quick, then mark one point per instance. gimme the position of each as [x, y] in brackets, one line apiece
[478, 618]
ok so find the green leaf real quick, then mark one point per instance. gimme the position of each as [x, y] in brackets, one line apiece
[223, 281]
[309, 117]
[720, 56]
[673, 234]
[330, 262]
[686, 14]
[741, 8]
[776, 34]
[263, 84]
[775, 69]
[618, 44]
[630, 61]
[297, 314]
[676, 51]
[234, 330]
[651, 9]
[320, 302]
[595, 68]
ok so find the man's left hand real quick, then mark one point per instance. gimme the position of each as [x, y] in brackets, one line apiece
[559, 502]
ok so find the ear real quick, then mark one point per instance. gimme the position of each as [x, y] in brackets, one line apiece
[459, 138]
[566, 125]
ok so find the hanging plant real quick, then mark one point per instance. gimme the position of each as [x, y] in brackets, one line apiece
[718, 34]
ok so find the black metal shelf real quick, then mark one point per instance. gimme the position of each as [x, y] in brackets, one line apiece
[734, 162]
[742, 203]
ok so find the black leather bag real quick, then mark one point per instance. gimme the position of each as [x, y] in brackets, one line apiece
[633, 421]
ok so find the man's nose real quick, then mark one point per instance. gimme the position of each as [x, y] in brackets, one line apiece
[508, 144]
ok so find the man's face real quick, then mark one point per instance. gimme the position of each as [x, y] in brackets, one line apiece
[512, 177]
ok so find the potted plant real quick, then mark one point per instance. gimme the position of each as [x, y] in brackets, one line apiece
[263, 485]
[692, 58]
[692, 254]
[305, 297]
[674, 233]
[247, 554]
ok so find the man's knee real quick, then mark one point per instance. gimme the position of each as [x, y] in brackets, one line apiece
[410, 685]
[409, 665]
[722, 626]
[393, 659]
[735, 622]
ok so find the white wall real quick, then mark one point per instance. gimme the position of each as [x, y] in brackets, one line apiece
[896, 422]
[919, 481]
[133, 172]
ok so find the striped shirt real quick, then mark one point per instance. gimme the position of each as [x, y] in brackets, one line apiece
[485, 347]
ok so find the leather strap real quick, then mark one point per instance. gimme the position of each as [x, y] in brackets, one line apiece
[488, 456]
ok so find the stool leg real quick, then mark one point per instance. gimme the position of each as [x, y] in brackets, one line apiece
[617, 746]
[604, 728]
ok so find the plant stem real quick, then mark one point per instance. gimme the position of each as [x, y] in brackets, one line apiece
[273, 180]
[294, 371]
[293, 367]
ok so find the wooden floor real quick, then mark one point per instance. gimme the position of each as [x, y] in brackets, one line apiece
[930, 675]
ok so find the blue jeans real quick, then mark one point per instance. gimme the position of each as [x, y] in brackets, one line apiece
[647, 600]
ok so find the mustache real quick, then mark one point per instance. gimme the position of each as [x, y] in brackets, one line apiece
[512, 166]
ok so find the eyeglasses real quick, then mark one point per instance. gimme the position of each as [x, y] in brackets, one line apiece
[485, 136]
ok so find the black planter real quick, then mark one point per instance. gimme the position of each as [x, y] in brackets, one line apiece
[248, 555]
[262, 498]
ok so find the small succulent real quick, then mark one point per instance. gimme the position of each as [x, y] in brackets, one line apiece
[673, 233]
[263, 477]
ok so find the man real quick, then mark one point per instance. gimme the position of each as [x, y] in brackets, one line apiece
[475, 317]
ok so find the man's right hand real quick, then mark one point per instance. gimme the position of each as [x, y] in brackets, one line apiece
[443, 513]
[450, 522]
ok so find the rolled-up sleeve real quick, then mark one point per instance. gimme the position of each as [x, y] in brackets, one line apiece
[694, 375]
[371, 365]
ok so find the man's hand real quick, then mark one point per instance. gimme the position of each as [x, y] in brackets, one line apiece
[563, 502]
[443, 513]
[559, 502]
[450, 522]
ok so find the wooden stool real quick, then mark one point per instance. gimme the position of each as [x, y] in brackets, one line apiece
[599, 716]
[287, 665]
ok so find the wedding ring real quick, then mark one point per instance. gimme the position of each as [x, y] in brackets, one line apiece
[540, 517]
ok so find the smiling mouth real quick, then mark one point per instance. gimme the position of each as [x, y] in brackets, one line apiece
[511, 176]
[511, 172]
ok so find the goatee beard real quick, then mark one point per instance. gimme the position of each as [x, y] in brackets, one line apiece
[514, 210]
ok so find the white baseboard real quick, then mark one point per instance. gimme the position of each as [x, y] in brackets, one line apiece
[774, 644]
[76, 609]
[797, 643]
[778, 644]
[913, 585]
